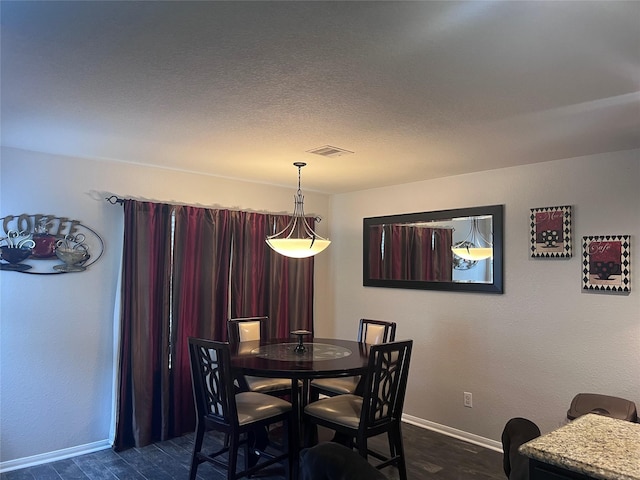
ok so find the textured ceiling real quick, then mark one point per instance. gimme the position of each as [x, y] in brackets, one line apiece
[417, 90]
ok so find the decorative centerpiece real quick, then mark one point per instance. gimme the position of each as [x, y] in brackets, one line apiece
[300, 348]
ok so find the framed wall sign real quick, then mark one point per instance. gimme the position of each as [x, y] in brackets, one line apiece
[606, 263]
[551, 232]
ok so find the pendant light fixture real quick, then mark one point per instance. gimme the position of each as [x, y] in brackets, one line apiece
[297, 239]
[475, 246]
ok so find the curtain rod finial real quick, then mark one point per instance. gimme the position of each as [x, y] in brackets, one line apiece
[113, 199]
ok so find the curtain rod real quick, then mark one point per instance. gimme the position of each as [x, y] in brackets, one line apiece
[116, 200]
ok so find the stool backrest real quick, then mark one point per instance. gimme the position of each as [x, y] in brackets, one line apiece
[374, 332]
[606, 405]
[246, 329]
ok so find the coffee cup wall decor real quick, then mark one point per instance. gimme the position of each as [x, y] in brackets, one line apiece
[47, 244]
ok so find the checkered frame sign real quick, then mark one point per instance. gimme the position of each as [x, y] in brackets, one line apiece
[550, 232]
[606, 263]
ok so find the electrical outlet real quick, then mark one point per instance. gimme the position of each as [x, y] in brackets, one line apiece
[468, 399]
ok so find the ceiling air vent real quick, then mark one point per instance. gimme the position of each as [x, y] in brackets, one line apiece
[329, 151]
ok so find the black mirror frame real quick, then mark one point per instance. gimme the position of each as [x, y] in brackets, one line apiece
[497, 213]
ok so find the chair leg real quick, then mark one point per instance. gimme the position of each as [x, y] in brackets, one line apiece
[197, 446]
[314, 395]
[399, 451]
[234, 440]
[343, 439]
[250, 457]
[362, 446]
[392, 444]
[261, 436]
[291, 463]
[309, 433]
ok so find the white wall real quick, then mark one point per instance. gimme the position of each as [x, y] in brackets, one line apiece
[529, 351]
[524, 353]
[56, 350]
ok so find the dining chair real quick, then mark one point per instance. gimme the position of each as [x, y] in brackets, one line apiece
[517, 431]
[240, 416]
[377, 411]
[614, 407]
[371, 332]
[249, 329]
[333, 461]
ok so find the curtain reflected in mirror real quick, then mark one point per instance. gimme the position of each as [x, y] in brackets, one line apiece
[457, 249]
[410, 252]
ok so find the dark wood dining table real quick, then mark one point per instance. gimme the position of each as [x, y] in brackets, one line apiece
[321, 358]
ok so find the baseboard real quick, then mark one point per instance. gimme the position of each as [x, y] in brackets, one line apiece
[53, 456]
[453, 432]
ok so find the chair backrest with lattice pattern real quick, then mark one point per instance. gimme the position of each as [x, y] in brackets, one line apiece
[211, 379]
[386, 384]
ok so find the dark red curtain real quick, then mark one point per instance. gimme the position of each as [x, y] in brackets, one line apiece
[200, 287]
[248, 265]
[143, 365]
[186, 271]
[264, 282]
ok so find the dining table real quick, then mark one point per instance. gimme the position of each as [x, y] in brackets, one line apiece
[301, 361]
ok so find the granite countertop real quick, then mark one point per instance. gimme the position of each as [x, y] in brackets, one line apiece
[597, 446]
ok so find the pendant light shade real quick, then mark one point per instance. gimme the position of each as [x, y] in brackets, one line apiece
[297, 239]
[475, 247]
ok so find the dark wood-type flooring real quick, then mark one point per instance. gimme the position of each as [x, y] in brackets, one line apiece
[430, 455]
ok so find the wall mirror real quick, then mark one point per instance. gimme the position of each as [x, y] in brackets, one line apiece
[456, 250]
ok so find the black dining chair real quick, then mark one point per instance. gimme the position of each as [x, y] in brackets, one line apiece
[240, 416]
[371, 332]
[377, 411]
[333, 461]
[516, 432]
[249, 329]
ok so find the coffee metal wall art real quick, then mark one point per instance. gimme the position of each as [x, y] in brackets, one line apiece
[47, 244]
